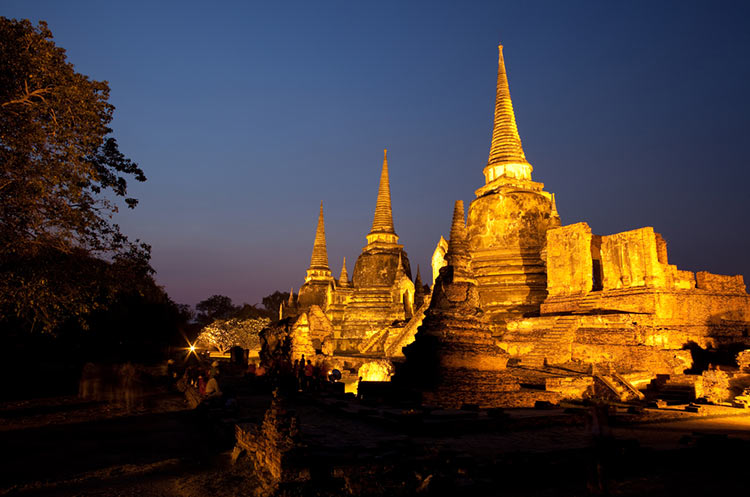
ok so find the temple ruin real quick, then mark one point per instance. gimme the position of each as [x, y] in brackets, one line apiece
[517, 292]
[369, 313]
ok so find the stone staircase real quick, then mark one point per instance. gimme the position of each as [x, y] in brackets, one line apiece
[587, 305]
[396, 342]
[554, 346]
[618, 386]
[374, 344]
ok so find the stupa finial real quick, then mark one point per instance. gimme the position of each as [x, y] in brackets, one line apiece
[400, 267]
[382, 223]
[344, 278]
[319, 258]
[507, 158]
[319, 269]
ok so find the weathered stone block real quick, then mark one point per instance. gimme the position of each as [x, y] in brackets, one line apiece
[720, 283]
[680, 280]
[630, 259]
[569, 261]
[634, 358]
[573, 387]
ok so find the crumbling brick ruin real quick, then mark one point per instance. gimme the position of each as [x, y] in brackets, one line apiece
[518, 287]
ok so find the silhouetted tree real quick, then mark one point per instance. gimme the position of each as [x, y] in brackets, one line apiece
[59, 176]
[248, 311]
[216, 306]
[273, 301]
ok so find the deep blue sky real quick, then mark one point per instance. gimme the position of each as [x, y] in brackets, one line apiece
[245, 115]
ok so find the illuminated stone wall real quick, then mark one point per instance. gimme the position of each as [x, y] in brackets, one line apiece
[630, 259]
[643, 315]
[570, 266]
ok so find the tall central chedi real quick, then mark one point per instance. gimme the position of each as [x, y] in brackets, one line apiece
[508, 221]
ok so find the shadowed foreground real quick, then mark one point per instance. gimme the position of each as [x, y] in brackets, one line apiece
[62, 446]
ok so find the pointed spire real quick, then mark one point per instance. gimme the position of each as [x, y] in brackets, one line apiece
[344, 278]
[458, 226]
[319, 269]
[382, 222]
[400, 268]
[290, 302]
[319, 259]
[418, 290]
[506, 152]
[458, 250]
[555, 216]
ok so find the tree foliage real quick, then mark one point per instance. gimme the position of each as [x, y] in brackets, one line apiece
[273, 301]
[60, 173]
[214, 307]
[223, 334]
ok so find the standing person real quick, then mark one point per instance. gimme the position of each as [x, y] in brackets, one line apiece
[295, 374]
[301, 374]
[309, 372]
[315, 380]
[322, 376]
[213, 391]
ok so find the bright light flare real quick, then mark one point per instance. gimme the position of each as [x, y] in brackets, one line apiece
[190, 349]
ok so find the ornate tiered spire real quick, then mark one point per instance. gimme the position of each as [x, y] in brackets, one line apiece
[507, 158]
[555, 215]
[458, 246]
[319, 259]
[400, 268]
[457, 239]
[344, 278]
[382, 223]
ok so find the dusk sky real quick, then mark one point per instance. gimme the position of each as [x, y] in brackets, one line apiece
[245, 115]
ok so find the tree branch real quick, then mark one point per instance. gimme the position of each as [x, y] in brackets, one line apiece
[26, 99]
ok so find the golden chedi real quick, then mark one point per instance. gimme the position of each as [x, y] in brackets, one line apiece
[318, 279]
[508, 221]
[382, 288]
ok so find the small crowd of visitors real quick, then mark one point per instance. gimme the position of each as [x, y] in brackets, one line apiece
[201, 385]
[204, 386]
[301, 375]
